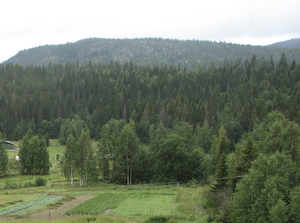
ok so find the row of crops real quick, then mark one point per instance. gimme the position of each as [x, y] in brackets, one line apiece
[25, 207]
[99, 204]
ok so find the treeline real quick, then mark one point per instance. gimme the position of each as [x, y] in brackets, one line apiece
[173, 154]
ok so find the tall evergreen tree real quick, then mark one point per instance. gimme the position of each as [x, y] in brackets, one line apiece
[221, 169]
[17, 133]
[249, 154]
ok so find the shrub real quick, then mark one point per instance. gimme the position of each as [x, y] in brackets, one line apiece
[166, 219]
[29, 184]
[157, 219]
[9, 185]
[40, 182]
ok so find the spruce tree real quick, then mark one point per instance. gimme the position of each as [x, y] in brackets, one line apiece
[249, 154]
[221, 169]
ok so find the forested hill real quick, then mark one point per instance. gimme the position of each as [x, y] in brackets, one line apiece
[292, 43]
[148, 51]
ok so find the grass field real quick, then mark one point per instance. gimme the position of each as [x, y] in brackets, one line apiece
[105, 202]
[143, 205]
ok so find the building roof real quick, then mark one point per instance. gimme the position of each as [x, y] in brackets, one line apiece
[7, 142]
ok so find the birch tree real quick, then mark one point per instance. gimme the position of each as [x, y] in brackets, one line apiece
[70, 153]
[129, 145]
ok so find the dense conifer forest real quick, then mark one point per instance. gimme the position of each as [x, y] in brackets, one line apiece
[237, 95]
[224, 125]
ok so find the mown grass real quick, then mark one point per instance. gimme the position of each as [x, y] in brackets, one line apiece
[143, 206]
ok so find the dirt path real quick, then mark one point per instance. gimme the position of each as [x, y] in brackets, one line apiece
[58, 213]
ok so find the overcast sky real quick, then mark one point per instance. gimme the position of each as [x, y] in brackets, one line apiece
[29, 23]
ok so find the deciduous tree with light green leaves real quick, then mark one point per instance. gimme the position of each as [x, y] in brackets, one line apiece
[267, 192]
[85, 159]
[80, 159]
[294, 213]
[69, 161]
[127, 152]
[277, 133]
[34, 155]
[104, 152]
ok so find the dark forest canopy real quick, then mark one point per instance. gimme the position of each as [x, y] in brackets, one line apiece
[149, 51]
[237, 95]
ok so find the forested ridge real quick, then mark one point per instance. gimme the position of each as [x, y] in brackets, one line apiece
[151, 51]
[235, 126]
[292, 43]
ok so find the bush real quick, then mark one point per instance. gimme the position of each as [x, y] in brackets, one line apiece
[11, 185]
[40, 182]
[166, 219]
[156, 219]
[29, 184]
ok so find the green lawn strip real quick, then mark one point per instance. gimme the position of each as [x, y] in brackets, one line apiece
[146, 205]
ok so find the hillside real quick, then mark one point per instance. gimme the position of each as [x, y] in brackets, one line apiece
[150, 51]
[292, 43]
[234, 127]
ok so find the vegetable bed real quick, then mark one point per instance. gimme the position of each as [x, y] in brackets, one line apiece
[99, 204]
[25, 207]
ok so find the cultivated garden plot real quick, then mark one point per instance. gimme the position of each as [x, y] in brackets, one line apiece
[25, 207]
[99, 204]
[146, 205]
[127, 204]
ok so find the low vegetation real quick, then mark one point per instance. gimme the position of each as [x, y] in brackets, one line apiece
[23, 208]
[98, 204]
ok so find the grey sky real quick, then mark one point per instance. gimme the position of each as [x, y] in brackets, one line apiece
[31, 23]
